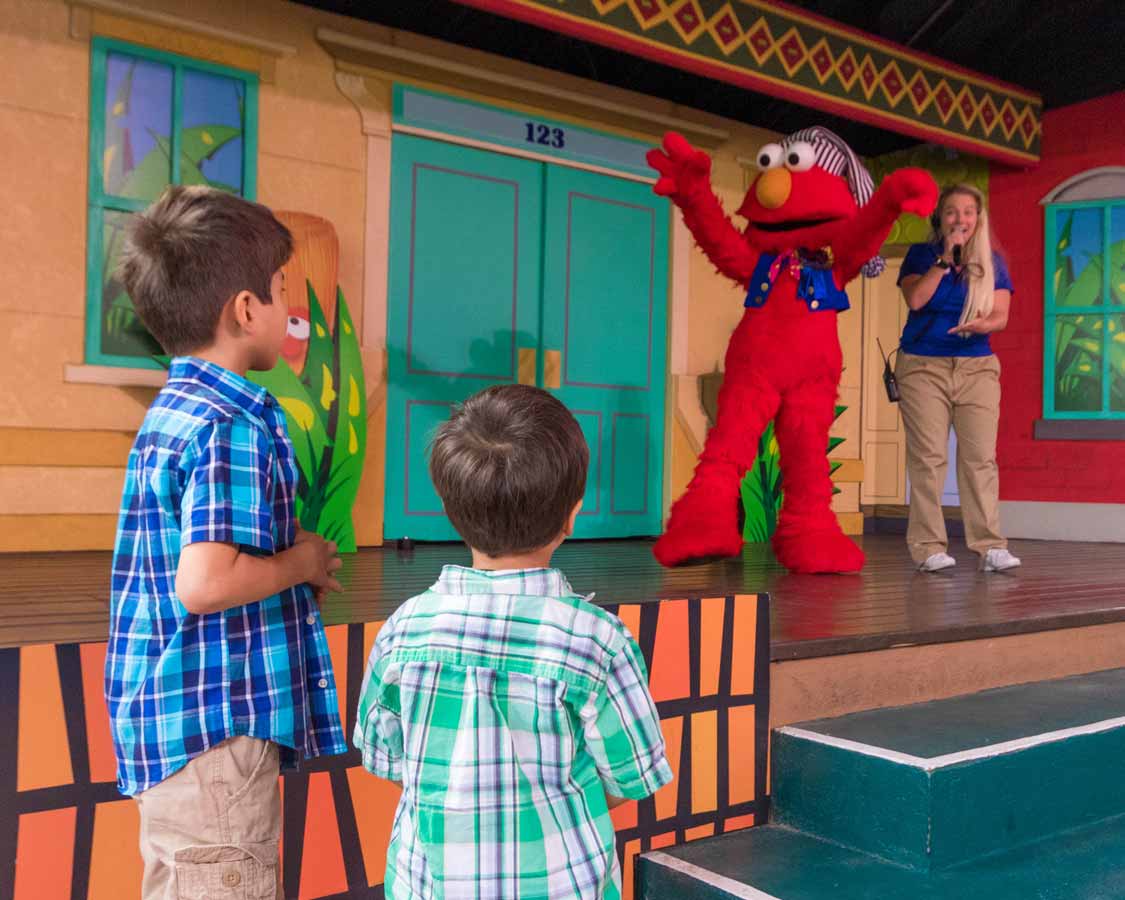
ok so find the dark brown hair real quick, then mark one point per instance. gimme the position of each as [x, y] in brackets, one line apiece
[190, 252]
[509, 465]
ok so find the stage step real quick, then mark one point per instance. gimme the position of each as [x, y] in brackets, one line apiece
[934, 784]
[775, 863]
[1014, 792]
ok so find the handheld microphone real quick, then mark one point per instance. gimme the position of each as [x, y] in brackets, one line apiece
[957, 255]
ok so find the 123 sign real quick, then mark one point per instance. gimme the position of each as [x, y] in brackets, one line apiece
[538, 133]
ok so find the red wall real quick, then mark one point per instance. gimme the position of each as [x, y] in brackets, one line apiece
[1075, 138]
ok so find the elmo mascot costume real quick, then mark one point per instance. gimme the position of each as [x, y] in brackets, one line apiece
[814, 222]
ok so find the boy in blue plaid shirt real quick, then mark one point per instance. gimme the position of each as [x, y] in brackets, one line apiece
[218, 670]
[514, 712]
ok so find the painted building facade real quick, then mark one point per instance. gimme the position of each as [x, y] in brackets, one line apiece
[320, 143]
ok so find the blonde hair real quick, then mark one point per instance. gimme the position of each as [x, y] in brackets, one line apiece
[977, 257]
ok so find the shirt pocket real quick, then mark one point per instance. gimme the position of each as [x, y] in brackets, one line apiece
[542, 728]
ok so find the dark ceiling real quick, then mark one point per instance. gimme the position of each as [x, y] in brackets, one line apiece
[1065, 50]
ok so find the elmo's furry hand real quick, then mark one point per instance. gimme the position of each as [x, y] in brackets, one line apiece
[911, 191]
[680, 165]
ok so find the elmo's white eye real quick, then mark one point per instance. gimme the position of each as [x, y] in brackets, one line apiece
[298, 328]
[799, 157]
[769, 157]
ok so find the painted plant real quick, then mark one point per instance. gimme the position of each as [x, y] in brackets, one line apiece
[948, 166]
[319, 383]
[325, 410]
[1081, 340]
[761, 487]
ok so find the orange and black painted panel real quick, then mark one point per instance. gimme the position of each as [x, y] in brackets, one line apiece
[66, 833]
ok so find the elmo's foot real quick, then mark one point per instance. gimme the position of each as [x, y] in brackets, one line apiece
[818, 552]
[678, 546]
[698, 531]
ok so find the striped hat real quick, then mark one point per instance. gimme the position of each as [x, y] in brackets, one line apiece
[837, 158]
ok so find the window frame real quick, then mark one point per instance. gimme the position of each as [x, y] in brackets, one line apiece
[1106, 310]
[98, 201]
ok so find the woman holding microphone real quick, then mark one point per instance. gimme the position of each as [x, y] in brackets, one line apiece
[958, 292]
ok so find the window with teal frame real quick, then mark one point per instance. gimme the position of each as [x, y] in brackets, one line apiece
[155, 119]
[1084, 302]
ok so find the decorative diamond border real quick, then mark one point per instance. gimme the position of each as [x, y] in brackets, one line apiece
[782, 51]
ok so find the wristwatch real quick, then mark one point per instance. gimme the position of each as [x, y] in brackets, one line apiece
[941, 263]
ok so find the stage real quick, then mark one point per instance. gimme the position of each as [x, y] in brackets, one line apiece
[734, 649]
[64, 596]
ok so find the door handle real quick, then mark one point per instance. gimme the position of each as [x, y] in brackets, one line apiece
[552, 369]
[525, 372]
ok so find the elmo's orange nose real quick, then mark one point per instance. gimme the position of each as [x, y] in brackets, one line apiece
[773, 188]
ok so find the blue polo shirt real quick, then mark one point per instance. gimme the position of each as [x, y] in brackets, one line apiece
[927, 329]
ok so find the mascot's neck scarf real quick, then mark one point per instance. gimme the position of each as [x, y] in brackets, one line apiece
[794, 260]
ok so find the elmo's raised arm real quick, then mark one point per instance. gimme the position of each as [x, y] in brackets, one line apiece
[685, 178]
[904, 190]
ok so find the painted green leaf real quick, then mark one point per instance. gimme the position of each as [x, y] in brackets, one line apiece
[1117, 364]
[761, 489]
[203, 141]
[1086, 290]
[114, 174]
[190, 173]
[150, 176]
[1117, 273]
[306, 431]
[114, 238]
[120, 316]
[351, 433]
[194, 149]
[1064, 266]
[319, 374]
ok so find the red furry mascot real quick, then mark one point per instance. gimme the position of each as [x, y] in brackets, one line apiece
[814, 222]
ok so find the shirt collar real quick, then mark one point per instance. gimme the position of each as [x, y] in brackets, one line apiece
[233, 387]
[530, 582]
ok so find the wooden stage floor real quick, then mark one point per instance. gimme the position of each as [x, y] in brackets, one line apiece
[63, 597]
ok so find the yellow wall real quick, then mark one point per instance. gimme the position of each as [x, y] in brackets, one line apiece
[63, 444]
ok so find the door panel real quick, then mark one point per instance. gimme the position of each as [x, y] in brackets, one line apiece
[590, 421]
[471, 234]
[609, 291]
[463, 300]
[605, 297]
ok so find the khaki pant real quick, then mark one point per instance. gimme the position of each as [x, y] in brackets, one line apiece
[962, 391]
[211, 830]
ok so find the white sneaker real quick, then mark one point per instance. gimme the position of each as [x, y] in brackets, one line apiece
[998, 559]
[939, 561]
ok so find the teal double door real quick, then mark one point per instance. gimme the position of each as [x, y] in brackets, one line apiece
[506, 270]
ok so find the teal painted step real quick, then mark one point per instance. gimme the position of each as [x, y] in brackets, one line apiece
[775, 863]
[935, 784]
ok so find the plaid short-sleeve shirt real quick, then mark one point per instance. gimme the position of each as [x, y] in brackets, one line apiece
[212, 462]
[508, 707]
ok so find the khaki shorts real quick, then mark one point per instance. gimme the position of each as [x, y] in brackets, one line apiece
[211, 829]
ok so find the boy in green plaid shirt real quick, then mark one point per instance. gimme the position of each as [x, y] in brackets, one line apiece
[514, 712]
